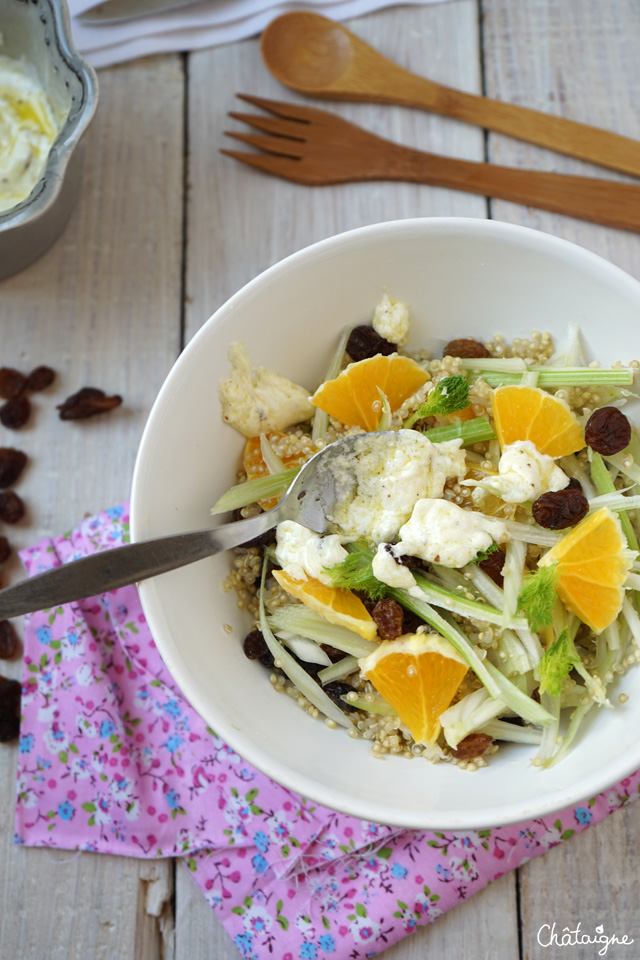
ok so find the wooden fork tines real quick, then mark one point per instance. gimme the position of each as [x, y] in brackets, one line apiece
[317, 148]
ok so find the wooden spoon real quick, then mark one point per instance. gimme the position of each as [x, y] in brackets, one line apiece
[314, 55]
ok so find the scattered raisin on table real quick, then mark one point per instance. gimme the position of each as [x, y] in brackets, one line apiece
[11, 507]
[608, 431]
[8, 640]
[15, 412]
[40, 378]
[255, 648]
[10, 693]
[493, 564]
[87, 403]
[560, 509]
[12, 382]
[389, 618]
[12, 464]
[5, 549]
[364, 342]
[336, 689]
[465, 347]
[473, 745]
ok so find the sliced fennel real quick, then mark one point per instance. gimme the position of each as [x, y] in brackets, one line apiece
[270, 457]
[305, 684]
[455, 603]
[471, 431]
[513, 732]
[320, 418]
[342, 668]
[468, 714]
[304, 649]
[498, 374]
[377, 705]
[385, 416]
[614, 499]
[242, 494]
[299, 619]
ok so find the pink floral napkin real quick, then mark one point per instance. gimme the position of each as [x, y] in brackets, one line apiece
[113, 759]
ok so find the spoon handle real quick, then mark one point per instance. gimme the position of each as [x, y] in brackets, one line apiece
[121, 566]
[587, 198]
[542, 129]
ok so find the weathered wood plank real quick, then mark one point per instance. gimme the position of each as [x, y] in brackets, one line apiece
[241, 221]
[578, 59]
[103, 308]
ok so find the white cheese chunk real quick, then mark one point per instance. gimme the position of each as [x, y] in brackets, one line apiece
[442, 532]
[378, 484]
[302, 553]
[391, 320]
[258, 400]
[389, 571]
[523, 474]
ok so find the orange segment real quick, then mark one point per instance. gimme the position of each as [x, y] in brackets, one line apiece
[529, 413]
[336, 606]
[467, 414]
[418, 675]
[254, 465]
[593, 563]
[350, 398]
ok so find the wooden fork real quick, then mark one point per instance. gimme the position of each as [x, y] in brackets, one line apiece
[316, 148]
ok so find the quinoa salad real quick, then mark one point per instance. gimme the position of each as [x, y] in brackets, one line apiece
[479, 584]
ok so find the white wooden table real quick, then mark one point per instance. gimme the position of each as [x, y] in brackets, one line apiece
[165, 230]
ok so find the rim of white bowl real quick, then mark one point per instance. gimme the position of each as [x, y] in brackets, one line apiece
[500, 813]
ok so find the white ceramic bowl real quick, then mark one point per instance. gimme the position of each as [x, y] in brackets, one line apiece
[460, 278]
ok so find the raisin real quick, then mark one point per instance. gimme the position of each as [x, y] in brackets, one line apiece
[574, 484]
[8, 640]
[10, 693]
[364, 342]
[11, 507]
[40, 378]
[12, 382]
[411, 622]
[473, 745]
[336, 689]
[560, 509]
[5, 549]
[332, 652]
[366, 599]
[12, 463]
[255, 648]
[465, 347]
[87, 403]
[608, 431]
[404, 558]
[313, 669]
[15, 412]
[389, 618]
[493, 564]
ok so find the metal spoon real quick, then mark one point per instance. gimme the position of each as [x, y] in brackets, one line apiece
[309, 500]
[314, 55]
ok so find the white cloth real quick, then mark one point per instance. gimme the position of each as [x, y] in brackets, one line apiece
[205, 24]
